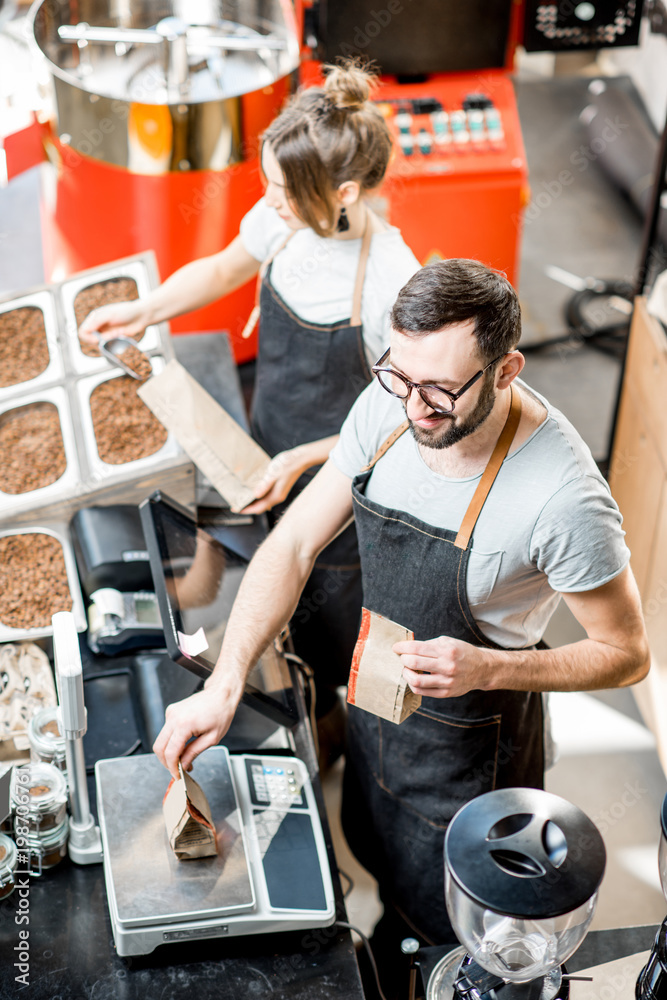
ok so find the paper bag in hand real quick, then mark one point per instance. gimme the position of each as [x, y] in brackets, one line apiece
[376, 679]
[213, 440]
[187, 816]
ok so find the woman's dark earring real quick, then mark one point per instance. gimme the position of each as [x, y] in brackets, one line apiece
[343, 221]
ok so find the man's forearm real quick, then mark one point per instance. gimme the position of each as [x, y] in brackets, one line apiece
[614, 654]
[588, 665]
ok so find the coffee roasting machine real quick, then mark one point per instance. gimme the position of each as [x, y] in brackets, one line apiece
[156, 111]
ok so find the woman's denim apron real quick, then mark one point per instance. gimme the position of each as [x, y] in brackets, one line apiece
[308, 377]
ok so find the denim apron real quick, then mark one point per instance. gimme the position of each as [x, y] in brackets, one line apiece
[403, 783]
[308, 376]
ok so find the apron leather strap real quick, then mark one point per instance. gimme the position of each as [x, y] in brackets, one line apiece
[361, 272]
[492, 469]
[253, 318]
[386, 444]
[358, 285]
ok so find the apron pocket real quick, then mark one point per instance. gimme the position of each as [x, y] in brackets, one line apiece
[434, 763]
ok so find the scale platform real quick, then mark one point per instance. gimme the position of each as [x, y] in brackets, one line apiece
[271, 872]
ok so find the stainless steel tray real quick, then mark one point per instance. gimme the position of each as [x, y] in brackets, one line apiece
[58, 530]
[100, 469]
[71, 477]
[55, 370]
[137, 269]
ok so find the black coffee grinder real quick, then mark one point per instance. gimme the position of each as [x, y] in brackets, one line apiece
[522, 872]
[652, 981]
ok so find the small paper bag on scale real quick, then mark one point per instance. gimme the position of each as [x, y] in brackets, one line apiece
[187, 816]
[376, 680]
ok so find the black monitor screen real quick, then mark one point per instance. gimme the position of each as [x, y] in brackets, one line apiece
[196, 578]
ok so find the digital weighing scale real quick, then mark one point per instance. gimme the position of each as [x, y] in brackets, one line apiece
[271, 872]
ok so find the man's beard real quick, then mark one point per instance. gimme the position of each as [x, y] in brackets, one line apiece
[457, 428]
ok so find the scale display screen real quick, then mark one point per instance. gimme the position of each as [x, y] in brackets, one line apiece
[196, 578]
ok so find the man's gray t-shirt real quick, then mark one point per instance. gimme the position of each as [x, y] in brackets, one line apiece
[549, 525]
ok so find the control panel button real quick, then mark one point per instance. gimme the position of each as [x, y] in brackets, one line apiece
[404, 121]
[425, 141]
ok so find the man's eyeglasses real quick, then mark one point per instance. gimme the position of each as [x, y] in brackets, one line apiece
[438, 399]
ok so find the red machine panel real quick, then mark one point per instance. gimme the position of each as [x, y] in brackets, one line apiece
[94, 212]
[457, 185]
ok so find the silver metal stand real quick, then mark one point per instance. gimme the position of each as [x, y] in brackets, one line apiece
[85, 844]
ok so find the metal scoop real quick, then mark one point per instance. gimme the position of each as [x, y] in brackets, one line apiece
[113, 347]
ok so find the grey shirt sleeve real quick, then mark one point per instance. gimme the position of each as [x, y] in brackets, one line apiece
[577, 540]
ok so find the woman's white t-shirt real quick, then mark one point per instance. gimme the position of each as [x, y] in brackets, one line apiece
[315, 277]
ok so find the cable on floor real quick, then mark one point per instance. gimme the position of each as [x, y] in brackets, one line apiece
[348, 879]
[308, 676]
[589, 319]
[369, 951]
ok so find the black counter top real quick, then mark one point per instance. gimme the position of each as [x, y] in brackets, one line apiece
[72, 955]
[70, 943]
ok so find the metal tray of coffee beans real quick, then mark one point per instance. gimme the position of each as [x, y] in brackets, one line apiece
[38, 577]
[120, 282]
[117, 426]
[38, 453]
[30, 354]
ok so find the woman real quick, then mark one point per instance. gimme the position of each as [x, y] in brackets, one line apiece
[330, 271]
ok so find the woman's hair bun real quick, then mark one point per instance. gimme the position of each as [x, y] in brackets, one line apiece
[349, 84]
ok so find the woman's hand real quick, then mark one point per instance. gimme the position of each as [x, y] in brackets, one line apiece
[118, 319]
[281, 475]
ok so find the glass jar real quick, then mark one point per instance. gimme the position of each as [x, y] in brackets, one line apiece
[47, 744]
[48, 847]
[39, 798]
[8, 865]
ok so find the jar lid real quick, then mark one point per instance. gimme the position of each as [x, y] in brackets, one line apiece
[38, 787]
[54, 837]
[8, 854]
[45, 733]
[525, 853]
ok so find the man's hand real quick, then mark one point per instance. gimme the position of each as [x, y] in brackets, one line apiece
[442, 667]
[118, 319]
[206, 715]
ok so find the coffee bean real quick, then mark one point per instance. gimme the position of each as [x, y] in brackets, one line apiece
[125, 429]
[32, 453]
[100, 294]
[24, 352]
[137, 361]
[33, 580]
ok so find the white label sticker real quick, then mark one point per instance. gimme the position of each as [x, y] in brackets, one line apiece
[193, 644]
